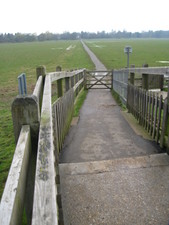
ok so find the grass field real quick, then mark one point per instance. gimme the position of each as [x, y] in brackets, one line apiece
[111, 52]
[25, 57]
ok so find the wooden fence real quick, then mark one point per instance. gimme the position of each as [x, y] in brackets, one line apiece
[33, 179]
[146, 78]
[62, 116]
[150, 109]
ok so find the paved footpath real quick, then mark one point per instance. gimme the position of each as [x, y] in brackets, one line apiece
[109, 174]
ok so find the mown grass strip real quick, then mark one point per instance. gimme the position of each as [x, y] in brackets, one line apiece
[79, 102]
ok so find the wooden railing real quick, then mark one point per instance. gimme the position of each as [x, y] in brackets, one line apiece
[12, 202]
[26, 119]
[45, 209]
[39, 133]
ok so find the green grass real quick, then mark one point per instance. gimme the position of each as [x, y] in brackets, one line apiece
[79, 102]
[118, 100]
[111, 52]
[25, 57]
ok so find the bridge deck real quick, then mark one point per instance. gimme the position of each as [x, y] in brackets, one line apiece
[107, 173]
[102, 133]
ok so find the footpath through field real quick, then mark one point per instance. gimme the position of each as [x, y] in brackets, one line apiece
[110, 175]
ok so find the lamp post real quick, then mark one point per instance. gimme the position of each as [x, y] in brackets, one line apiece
[128, 50]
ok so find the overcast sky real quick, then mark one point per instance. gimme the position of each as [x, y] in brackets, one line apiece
[57, 16]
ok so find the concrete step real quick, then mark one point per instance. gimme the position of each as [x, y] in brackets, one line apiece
[120, 191]
[114, 164]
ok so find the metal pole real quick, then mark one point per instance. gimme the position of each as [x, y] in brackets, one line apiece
[128, 59]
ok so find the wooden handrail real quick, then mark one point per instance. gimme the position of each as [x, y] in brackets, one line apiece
[12, 202]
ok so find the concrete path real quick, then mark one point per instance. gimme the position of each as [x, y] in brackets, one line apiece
[109, 174]
[103, 133]
[98, 65]
[132, 191]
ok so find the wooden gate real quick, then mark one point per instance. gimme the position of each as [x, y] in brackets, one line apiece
[99, 79]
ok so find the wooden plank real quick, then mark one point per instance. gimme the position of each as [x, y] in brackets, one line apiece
[152, 114]
[77, 85]
[59, 124]
[164, 123]
[137, 103]
[64, 115]
[159, 118]
[60, 88]
[146, 110]
[56, 140]
[62, 121]
[63, 74]
[131, 98]
[12, 202]
[67, 83]
[149, 111]
[134, 102]
[139, 106]
[155, 116]
[45, 210]
[143, 118]
[38, 90]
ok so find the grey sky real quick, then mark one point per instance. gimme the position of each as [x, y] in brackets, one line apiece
[57, 16]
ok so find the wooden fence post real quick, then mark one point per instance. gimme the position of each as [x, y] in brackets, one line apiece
[145, 81]
[76, 80]
[59, 83]
[132, 77]
[164, 122]
[41, 71]
[167, 118]
[112, 80]
[72, 81]
[67, 83]
[85, 80]
[26, 111]
[58, 68]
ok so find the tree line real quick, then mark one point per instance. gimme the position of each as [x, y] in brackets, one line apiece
[48, 36]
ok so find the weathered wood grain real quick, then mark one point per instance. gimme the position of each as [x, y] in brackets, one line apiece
[45, 209]
[155, 116]
[12, 202]
[159, 118]
[165, 116]
[38, 90]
